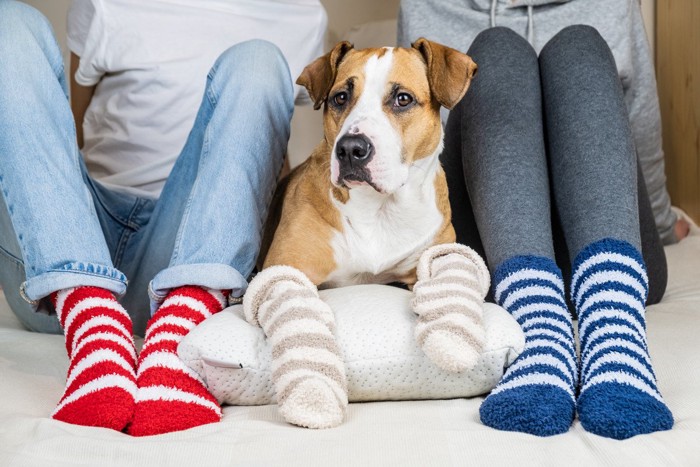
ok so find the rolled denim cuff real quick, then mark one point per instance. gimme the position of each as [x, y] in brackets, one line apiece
[209, 275]
[76, 274]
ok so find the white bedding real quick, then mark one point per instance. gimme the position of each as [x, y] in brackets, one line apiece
[448, 432]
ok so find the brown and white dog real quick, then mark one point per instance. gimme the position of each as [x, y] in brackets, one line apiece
[372, 196]
[369, 206]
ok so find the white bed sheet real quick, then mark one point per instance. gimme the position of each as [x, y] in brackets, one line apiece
[422, 433]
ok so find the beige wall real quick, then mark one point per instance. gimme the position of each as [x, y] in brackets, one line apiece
[344, 14]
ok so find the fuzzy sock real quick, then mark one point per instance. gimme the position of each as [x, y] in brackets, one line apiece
[448, 298]
[536, 394]
[101, 381]
[171, 396]
[307, 368]
[619, 398]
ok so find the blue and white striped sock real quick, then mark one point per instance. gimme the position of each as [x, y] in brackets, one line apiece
[536, 394]
[619, 398]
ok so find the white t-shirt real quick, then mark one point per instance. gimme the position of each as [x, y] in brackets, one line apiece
[151, 59]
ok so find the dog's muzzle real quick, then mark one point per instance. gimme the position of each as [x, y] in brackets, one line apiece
[354, 153]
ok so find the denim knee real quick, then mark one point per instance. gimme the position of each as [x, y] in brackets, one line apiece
[21, 23]
[13, 12]
[25, 32]
[255, 64]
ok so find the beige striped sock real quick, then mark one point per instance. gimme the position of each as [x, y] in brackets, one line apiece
[448, 298]
[307, 368]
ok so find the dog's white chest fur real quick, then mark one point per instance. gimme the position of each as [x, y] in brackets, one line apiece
[384, 235]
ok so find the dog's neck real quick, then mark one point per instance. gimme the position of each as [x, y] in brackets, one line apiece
[380, 236]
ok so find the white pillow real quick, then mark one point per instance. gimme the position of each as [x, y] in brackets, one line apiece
[375, 332]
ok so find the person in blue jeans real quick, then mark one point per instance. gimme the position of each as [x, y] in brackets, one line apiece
[68, 242]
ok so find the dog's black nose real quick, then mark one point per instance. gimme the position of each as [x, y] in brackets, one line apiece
[354, 150]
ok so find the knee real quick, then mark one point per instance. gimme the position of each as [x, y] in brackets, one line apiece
[257, 64]
[17, 19]
[500, 50]
[501, 40]
[581, 34]
[507, 63]
[22, 28]
[498, 34]
[12, 10]
[580, 42]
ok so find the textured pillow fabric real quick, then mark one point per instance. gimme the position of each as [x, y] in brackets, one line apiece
[375, 331]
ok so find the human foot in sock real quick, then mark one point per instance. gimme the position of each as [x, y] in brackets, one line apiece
[619, 398]
[307, 369]
[448, 299]
[101, 381]
[172, 397]
[536, 394]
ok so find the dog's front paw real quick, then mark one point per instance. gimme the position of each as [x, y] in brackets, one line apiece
[448, 298]
[308, 370]
[313, 403]
[453, 348]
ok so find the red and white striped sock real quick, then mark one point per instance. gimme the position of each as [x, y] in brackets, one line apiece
[172, 397]
[101, 381]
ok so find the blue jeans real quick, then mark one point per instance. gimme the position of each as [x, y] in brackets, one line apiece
[59, 228]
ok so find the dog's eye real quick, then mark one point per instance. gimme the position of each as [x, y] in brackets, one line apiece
[340, 98]
[403, 99]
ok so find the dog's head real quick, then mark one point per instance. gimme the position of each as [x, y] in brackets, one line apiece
[382, 107]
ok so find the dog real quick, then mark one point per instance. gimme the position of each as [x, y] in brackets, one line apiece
[372, 196]
[370, 205]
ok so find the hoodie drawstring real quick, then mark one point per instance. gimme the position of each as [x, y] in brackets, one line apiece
[530, 26]
[530, 21]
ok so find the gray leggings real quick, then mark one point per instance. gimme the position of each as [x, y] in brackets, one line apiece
[540, 158]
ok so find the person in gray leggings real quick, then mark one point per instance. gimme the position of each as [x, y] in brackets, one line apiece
[543, 179]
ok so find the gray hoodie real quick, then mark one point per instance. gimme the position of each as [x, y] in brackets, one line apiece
[457, 22]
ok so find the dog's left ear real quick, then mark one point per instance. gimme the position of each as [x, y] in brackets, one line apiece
[318, 77]
[449, 71]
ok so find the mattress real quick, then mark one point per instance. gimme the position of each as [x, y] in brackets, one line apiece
[422, 433]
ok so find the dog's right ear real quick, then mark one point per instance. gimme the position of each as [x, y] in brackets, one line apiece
[449, 71]
[318, 77]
